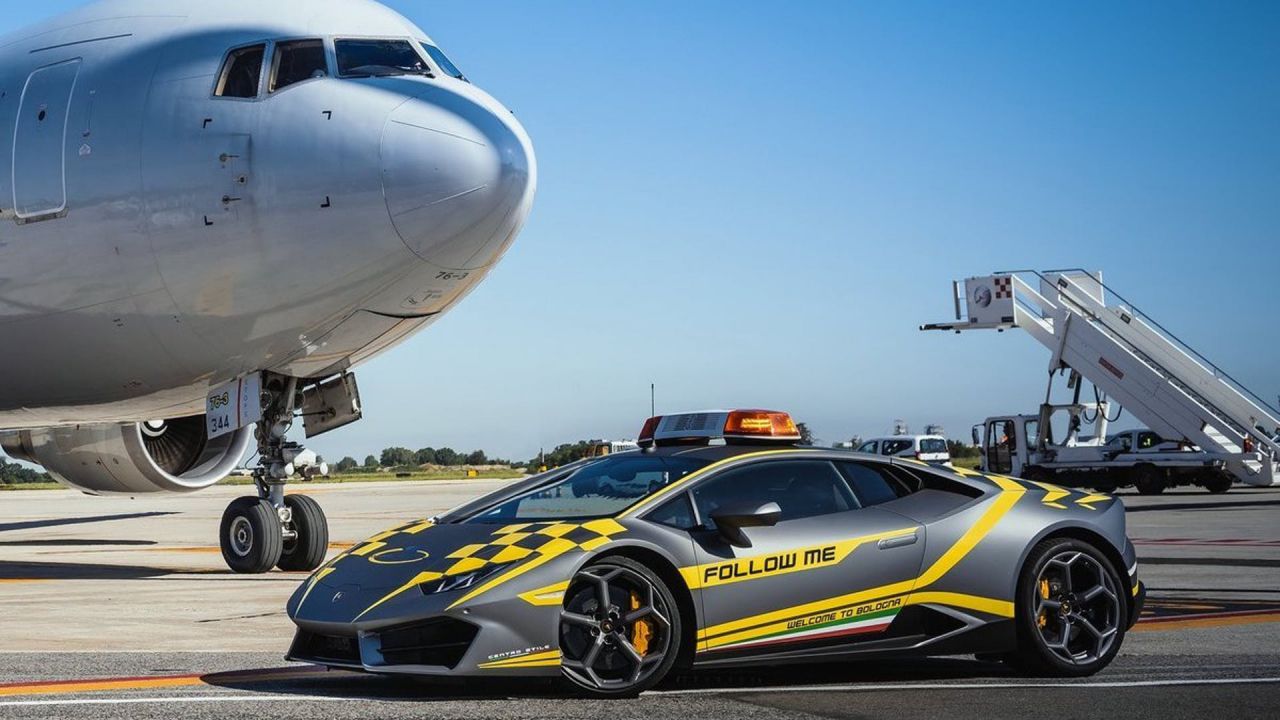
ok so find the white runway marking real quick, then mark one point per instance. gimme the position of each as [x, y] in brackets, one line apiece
[708, 691]
[889, 687]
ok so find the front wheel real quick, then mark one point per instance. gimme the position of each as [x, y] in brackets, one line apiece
[250, 535]
[619, 629]
[1071, 610]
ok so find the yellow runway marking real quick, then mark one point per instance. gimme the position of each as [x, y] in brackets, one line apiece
[1206, 622]
[70, 687]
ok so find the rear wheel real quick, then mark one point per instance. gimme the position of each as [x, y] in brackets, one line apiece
[619, 629]
[310, 541]
[1070, 610]
[250, 535]
[1217, 483]
[1149, 480]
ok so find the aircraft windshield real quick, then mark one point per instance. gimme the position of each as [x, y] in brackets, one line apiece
[378, 58]
[443, 61]
[598, 489]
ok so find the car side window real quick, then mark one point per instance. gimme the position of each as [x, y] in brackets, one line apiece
[872, 485]
[240, 72]
[893, 447]
[801, 488]
[676, 513]
[1148, 440]
[867, 447]
[296, 61]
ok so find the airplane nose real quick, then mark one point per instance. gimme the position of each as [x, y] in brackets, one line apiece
[458, 174]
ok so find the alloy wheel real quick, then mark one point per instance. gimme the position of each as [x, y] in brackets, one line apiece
[1077, 607]
[615, 629]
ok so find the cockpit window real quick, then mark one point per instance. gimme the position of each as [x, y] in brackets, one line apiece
[379, 58]
[443, 61]
[296, 61]
[240, 73]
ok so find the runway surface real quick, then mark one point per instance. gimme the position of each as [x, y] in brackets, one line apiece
[122, 608]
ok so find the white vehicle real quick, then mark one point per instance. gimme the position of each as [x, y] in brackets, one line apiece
[1097, 335]
[1025, 446]
[925, 448]
[210, 213]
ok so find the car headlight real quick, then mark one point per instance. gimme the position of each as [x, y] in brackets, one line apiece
[449, 583]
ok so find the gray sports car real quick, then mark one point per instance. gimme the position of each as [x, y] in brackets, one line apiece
[722, 543]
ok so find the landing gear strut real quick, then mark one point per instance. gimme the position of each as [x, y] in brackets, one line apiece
[274, 529]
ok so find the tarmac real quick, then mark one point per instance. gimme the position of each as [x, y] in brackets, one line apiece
[113, 607]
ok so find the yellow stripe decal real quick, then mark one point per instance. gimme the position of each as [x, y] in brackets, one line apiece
[683, 482]
[991, 606]
[550, 551]
[765, 623]
[546, 596]
[417, 580]
[542, 659]
[317, 577]
[1053, 493]
[754, 567]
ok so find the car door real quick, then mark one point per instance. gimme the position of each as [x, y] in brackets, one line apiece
[830, 571]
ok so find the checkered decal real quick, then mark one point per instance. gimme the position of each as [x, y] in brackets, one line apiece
[517, 542]
[1004, 287]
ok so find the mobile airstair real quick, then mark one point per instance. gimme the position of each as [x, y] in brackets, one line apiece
[1160, 380]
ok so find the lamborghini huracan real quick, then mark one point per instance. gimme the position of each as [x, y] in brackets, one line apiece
[723, 542]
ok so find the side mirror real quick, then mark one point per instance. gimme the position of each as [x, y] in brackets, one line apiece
[731, 518]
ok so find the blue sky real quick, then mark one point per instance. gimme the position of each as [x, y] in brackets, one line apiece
[755, 204]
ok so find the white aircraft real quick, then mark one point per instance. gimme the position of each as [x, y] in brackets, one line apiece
[210, 212]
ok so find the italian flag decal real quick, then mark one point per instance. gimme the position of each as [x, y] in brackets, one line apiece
[818, 627]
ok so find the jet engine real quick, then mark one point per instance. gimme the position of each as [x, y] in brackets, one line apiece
[132, 458]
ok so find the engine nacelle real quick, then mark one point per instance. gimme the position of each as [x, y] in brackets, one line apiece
[133, 458]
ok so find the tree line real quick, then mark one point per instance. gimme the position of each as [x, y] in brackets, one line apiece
[15, 474]
[400, 457]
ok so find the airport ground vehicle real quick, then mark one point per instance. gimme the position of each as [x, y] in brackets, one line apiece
[210, 214]
[748, 550]
[1095, 334]
[926, 448]
[1013, 445]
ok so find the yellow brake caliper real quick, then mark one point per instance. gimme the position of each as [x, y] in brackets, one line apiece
[1044, 593]
[642, 630]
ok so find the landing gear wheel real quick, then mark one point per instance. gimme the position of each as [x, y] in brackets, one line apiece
[250, 535]
[306, 550]
[1070, 610]
[1148, 480]
[619, 629]
[1217, 484]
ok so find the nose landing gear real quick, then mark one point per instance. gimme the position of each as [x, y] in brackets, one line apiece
[273, 529]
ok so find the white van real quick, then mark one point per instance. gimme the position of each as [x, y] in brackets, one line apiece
[925, 448]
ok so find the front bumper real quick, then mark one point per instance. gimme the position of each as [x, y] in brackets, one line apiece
[1138, 601]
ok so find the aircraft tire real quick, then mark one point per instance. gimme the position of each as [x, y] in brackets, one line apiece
[307, 549]
[250, 535]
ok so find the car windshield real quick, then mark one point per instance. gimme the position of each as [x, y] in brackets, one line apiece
[598, 489]
[378, 58]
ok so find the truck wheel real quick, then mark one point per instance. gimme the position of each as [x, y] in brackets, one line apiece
[1217, 483]
[1149, 480]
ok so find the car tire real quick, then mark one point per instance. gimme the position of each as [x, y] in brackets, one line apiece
[1149, 480]
[250, 535]
[306, 550]
[588, 623]
[1071, 610]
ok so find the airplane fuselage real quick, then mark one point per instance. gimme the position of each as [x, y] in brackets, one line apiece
[158, 238]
